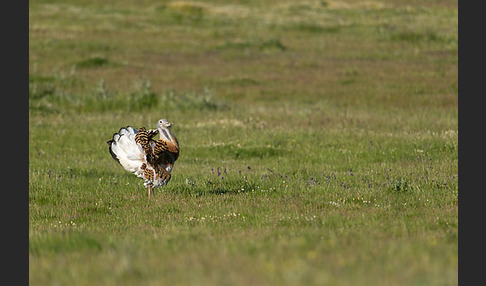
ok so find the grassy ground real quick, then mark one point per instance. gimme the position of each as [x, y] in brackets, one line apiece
[318, 142]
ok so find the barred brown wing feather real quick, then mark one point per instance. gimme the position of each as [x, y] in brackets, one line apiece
[160, 147]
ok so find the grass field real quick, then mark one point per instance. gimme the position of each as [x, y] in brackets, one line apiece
[319, 142]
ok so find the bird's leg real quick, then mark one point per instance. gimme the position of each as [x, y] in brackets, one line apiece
[149, 177]
[150, 191]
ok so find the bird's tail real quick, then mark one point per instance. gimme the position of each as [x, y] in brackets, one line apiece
[126, 151]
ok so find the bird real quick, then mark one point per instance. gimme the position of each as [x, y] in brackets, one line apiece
[138, 153]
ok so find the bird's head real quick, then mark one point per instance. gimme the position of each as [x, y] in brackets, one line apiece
[163, 124]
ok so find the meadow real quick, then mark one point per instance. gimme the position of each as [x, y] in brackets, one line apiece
[319, 142]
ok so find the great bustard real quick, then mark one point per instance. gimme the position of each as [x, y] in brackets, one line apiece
[140, 154]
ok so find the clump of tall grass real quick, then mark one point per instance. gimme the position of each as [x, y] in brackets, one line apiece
[182, 11]
[47, 93]
[400, 185]
[190, 100]
[95, 61]
[143, 97]
[46, 96]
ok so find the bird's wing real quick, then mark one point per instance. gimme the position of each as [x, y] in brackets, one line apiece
[126, 151]
[161, 146]
[165, 154]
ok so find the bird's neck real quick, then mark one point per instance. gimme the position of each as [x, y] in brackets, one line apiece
[167, 134]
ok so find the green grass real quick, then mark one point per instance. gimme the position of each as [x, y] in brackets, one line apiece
[318, 142]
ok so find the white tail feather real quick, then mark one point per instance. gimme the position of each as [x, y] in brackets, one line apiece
[126, 151]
